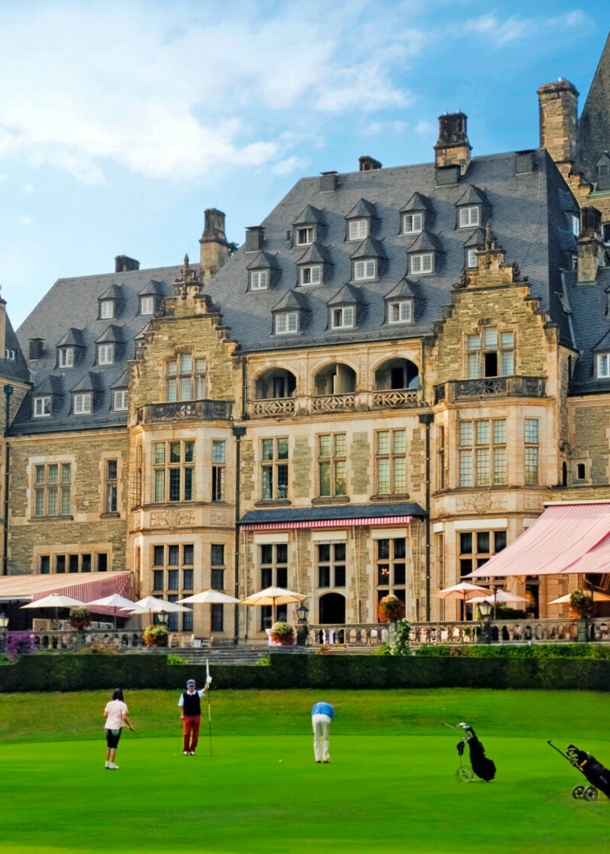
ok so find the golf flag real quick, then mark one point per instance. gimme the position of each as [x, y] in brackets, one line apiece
[207, 670]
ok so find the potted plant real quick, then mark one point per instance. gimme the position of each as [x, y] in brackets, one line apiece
[283, 633]
[390, 609]
[582, 605]
[79, 619]
[156, 636]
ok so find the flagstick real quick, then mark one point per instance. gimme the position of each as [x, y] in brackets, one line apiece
[207, 672]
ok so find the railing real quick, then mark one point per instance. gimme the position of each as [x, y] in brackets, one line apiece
[333, 402]
[454, 633]
[493, 386]
[272, 407]
[121, 640]
[395, 398]
[193, 410]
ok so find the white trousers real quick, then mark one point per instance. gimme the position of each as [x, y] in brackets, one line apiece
[321, 729]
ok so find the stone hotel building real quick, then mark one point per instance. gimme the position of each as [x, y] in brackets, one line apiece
[379, 390]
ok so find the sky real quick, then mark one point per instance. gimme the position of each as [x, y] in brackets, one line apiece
[120, 122]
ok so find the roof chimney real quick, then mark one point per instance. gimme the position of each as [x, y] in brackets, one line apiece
[452, 147]
[367, 163]
[558, 112]
[328, 182]
[36, 348]
[255, 237]
[591, 248]
[125, 264]
[214, 250]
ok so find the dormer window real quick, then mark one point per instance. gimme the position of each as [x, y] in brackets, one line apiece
[603, 366]
[421, 263]
[83, 403]
[412, 223]
[305, 235]
[286, 322]
[575, 225]
[66, 357]
[343, 317]
[400, 311]
[259, 280]
[147, 305]
[105, 354]
[469, 216]
[358, 229]
[364, 270]
[311, 275]
[119, 400]
[10, 354]
[471, 257]
[42, 407]
[106, 309]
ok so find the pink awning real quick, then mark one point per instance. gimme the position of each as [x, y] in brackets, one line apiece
[83, 586]
[567, 538]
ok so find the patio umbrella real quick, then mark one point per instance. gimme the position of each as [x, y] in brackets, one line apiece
[499, 595]
[114, 601]
[464, 591]
[597, 596]
[55, 600]
[151, 605]
[213, 597]
[273, 596]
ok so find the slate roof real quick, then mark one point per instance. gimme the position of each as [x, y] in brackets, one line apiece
[345, 511]
[70, 312]
[594, 124]
[13, 369]
[590, 317]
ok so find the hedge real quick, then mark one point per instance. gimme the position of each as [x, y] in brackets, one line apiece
[66, 672]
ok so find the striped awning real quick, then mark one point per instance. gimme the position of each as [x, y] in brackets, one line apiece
[86, 587]
[568, 538]
[343, 516]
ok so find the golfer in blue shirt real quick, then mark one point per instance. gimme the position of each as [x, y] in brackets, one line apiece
[321, 716]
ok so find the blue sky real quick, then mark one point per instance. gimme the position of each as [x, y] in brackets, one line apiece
[121, 121]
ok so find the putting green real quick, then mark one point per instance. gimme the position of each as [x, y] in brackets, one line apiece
[393, 792]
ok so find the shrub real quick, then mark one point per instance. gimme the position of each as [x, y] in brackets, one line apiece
[18, 644]
[79, 619]
[402, 635]
[97, 650]
[382, 649]
[262, 662]
[283, 633]
[390, 609]
[173, 658]
[505, 612]
[581, 604]
[156, 636]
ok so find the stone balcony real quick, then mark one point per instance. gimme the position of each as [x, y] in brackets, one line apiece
[458, 390]
[186, 410]
[351, 402]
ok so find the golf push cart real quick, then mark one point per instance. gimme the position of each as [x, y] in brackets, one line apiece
[596, 774]
[480, 766]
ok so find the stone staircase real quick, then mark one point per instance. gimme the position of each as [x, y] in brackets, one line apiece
[242, 654]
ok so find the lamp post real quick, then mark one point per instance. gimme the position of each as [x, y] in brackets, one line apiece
[302, 629]
[162, 618]
[485, 609]
[3, 628]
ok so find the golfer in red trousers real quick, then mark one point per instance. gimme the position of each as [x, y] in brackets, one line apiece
[190, 712]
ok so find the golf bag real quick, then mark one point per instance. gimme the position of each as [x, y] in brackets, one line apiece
[482, 766]
[596, 773]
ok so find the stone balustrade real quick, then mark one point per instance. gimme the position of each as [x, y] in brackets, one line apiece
[490, 387]
[276, 407]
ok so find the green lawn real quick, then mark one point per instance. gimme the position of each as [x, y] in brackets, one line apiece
[390, 786]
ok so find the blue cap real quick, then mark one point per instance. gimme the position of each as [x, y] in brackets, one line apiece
[190, 682]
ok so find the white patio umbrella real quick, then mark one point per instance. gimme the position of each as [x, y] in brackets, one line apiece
[464, 591]
[499, 595]
[155, 606]
[273, 596]
[598, 596]
[114, 601]
[212, 597]
[56, 601]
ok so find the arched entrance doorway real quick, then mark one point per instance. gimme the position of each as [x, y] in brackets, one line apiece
[332, 608]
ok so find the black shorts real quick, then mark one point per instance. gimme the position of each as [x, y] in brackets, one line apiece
[113, 737]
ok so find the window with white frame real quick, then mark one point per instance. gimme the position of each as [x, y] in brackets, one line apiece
[105, 354]
[575, 225]
[365, 269]
[305, 236]
[532, 451]
[286, 322]
[174, 472]
[603, 365]
[343, 318]
[421, 263]
[259, 280]
[147, 305]
[412, 223]
[66, 357]
[106, 309]
[469, 216]
[332, 464]
[52, 489]
[358, 229]
[310, 275]
[471, 258]
[10, 353]
[490, 353]
[119, 400]
[185, 378]
[483, 457]
[218, 469]
[391, 462]
[274, 469]
[400, 311]
[83, 403]
[42, 407]
[111, 485]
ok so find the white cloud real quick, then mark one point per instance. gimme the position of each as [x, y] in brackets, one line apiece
[26, 220]
[424, 127]
[3, 178]
[290, 164]
[28, 188]
[516, 28]
[177, 90]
